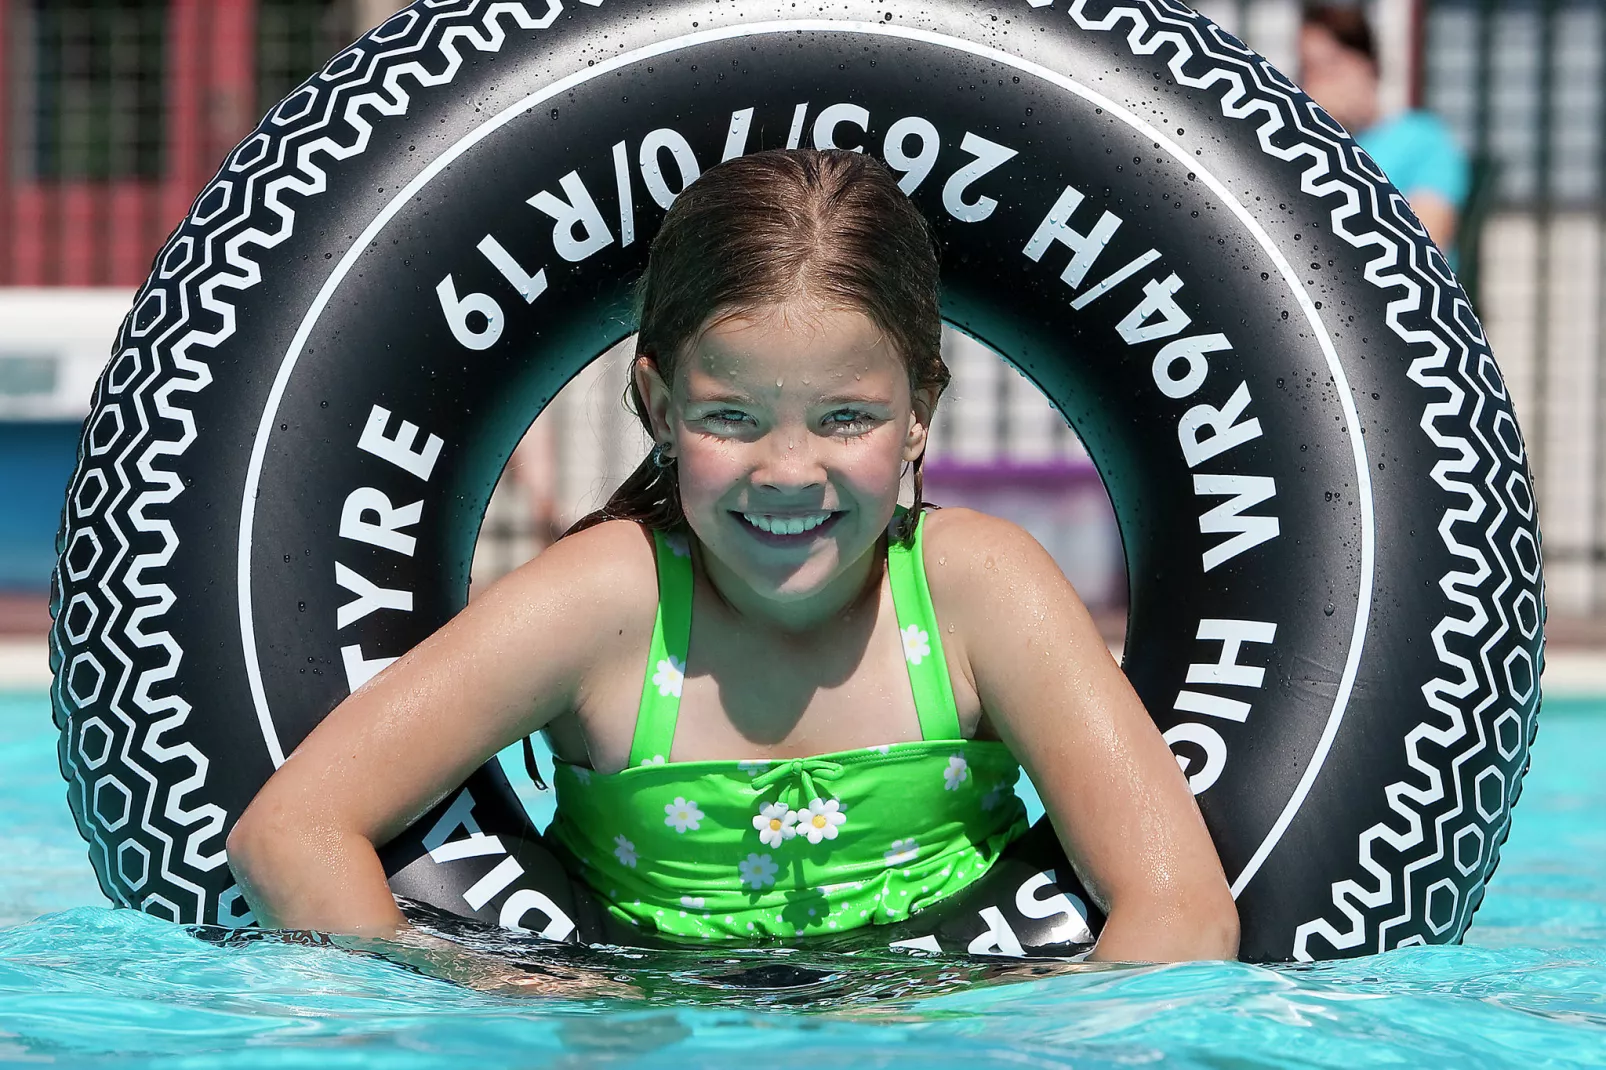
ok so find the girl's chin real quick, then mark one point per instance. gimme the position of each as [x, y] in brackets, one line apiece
[802, 577]
[798, 582]
[787, 568]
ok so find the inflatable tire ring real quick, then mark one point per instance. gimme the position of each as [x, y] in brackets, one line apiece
[1336, 604]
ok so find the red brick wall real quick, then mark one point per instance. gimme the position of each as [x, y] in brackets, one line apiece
[87, 233]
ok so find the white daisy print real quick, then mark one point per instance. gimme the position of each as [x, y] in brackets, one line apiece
[957, 773]
[656, 759]
[676, 541]
[757, 870]
[753, 768]
[916, 644]
[775, 824]
[669, 675]
[820, 820]
[884, 748]
[692, 902]
[682, 814]
[624, 851]
[902, 851]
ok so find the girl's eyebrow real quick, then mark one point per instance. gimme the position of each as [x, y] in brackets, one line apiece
[717, 397]
[859, 397]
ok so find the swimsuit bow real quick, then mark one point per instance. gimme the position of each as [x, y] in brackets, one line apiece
[807, 770]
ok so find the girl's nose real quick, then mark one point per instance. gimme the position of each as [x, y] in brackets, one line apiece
[789, 460]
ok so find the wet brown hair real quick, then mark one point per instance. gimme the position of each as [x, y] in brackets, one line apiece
[1348, 25]
[828, 226]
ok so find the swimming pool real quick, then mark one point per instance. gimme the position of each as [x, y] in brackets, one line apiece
[80, 983]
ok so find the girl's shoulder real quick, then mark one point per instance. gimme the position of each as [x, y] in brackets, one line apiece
[601, 582]
[1012, 625]
[978, 565]
[970, 540]
[611, 551]
[618, 543]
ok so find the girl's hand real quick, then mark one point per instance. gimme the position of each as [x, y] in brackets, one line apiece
[560, 984]
[448, 961]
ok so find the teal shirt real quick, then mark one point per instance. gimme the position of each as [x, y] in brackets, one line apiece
[1417, 152]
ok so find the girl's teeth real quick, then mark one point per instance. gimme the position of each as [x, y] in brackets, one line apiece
[786, 525]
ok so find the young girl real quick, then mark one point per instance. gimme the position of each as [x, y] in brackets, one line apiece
[780, 704]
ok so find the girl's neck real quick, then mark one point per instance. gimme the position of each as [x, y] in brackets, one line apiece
[839, 598]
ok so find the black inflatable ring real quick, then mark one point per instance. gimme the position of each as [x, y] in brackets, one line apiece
[1336, 604]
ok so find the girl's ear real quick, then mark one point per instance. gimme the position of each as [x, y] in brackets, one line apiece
[925, 403]
[655, 395]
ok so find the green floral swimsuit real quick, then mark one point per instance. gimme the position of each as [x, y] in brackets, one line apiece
[727, 850]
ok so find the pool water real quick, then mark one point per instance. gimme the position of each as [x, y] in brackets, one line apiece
[82, 984]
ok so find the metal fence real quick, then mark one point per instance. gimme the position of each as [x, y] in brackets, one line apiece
[1523, 85]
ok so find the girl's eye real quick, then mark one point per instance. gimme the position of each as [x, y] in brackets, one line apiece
[726, 418]
[849, 420]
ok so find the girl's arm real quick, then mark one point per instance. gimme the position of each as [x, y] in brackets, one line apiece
[304, 851]
[1110, 785]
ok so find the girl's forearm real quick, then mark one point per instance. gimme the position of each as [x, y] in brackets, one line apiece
[303, 876]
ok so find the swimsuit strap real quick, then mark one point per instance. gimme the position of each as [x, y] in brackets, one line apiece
[922, 639]
[666, 659]
[661, 684]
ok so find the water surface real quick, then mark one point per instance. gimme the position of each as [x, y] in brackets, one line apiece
[81, 984]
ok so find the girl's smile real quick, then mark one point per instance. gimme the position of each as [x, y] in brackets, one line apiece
[794, 530]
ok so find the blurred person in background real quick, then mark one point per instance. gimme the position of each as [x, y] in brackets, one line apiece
[535, 469]
[1338, 67]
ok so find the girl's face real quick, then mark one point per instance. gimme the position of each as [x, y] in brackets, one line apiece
[791, 428]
